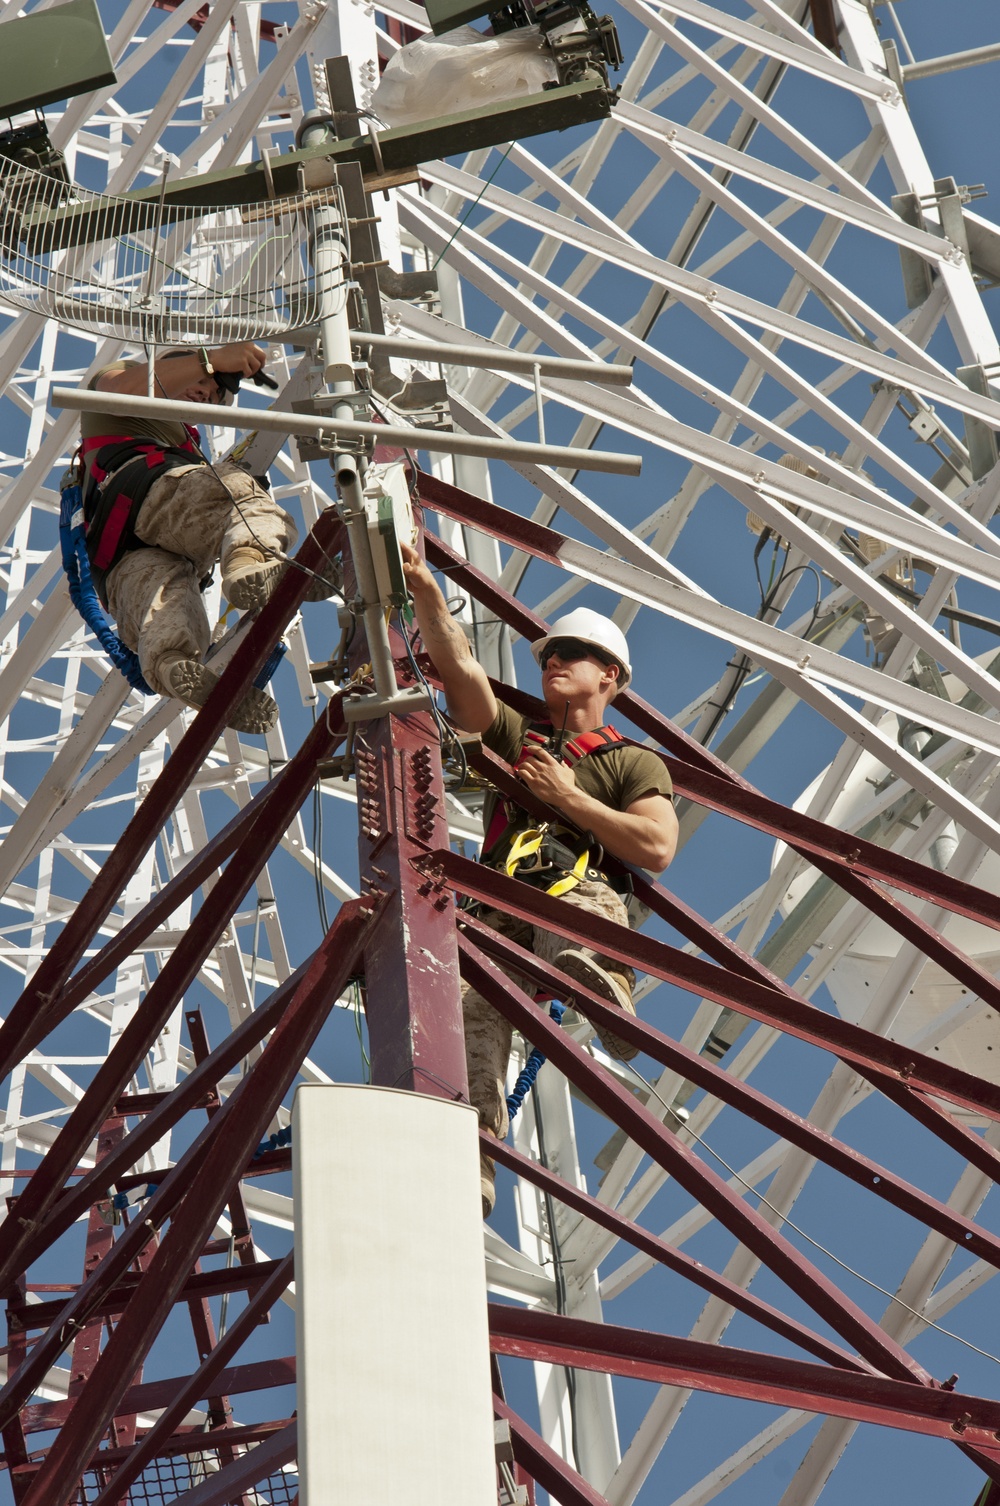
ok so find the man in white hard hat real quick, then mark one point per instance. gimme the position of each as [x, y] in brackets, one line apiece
[614, 797]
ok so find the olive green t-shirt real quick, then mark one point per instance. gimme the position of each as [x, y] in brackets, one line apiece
[165, 432]
[616, 776]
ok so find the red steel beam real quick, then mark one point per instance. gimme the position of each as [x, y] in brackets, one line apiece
[413, 1003]
[850, 1163]
[706, 1186]
[749, 1374]
[860, 1048]
[194, 1439]
[667, 1255]
[199, 1384]
[261, 1375]
[542, 1462]
[120, 864]
[319, 743]
[237, 1129]
[701, 776]
[213, 1283]
[176, 976]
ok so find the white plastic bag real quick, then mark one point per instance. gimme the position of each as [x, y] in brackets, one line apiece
[460, 71]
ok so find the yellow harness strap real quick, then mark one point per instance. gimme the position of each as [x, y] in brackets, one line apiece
[527, 844]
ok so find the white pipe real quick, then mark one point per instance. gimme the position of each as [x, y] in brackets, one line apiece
[437, 441]
[950, 62]
[329, 258]
[611, 373]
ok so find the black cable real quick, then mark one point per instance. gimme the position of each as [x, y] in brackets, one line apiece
[562, 1305]
[744, 665]
[317, 834]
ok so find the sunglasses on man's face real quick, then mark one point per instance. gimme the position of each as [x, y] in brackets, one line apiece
[570, 650]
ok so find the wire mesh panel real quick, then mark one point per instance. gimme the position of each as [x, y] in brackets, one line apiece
[173, 1475]
[156, 272]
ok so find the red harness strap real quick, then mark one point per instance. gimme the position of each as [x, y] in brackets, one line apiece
[115, 523]
[149, 447]
[581, 745]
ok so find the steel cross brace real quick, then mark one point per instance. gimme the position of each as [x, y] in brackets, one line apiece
[667, 1255]
[756, 1105]
[542, 1462]
[180, 769]
[859, 1047]
[927, 1111]
[236, 1131]
[706, 1186]
[199, 1383]
[848, 856]
[559, 1340]
[178, 973]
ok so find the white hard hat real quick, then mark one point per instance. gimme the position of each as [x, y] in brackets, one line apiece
[590, 627]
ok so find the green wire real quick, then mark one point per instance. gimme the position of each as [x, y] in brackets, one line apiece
[472, 206]
[366, 1066]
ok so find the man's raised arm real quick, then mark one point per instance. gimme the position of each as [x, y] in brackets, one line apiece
[471, 702]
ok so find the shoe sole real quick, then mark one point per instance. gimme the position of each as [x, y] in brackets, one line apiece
[193, 683]
[582, 970]
[256, 587]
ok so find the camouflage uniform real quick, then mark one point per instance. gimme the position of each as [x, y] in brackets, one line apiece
[487, 1032]
[617, 776]
[188, 521]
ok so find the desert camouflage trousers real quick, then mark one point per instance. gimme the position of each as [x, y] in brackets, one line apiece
[189, 520]
[487, 1033]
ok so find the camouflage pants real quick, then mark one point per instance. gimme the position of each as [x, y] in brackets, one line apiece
[487, 1033]
[189, 520]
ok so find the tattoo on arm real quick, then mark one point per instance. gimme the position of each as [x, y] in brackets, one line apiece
[441, 627]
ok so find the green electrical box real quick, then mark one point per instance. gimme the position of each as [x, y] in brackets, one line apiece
[445, 15]
[53, 54]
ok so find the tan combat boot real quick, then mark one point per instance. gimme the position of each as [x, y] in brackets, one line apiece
[192, 683]
[249, 578]
[487, 1183]
[582, 968]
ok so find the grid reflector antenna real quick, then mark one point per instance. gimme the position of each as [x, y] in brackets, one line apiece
[138, 271]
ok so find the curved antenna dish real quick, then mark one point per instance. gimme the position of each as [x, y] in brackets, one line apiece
[210, 276]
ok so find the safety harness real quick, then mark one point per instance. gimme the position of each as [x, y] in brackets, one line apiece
[550, 850]
[76, 563]
[122, 470]
[92, 542]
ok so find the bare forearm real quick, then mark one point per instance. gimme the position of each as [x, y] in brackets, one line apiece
[470, 699]
[172, 376]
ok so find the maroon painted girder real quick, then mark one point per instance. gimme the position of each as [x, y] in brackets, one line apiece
[750, 1374]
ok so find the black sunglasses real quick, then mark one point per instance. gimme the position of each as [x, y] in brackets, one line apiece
[570, 650]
